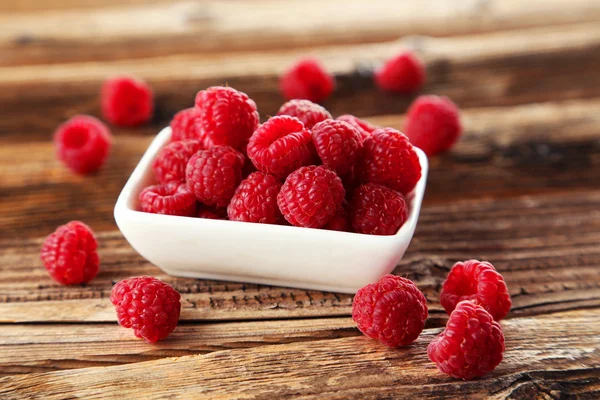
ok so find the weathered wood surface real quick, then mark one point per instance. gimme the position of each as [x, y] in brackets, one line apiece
[547, 357]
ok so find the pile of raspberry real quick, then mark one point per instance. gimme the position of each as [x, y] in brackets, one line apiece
[301, 167]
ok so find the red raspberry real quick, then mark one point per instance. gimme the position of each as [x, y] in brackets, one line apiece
[311, 196]
[207, 214]
[173, 198]
[169, 165]
[433, 124]
[213, 174]
[83, 144]
[477, 281]
[307, 79]
[378, 210]
[471, 345]
[338, 144]
[69, 254]
[255, 200]
[306, 111]
[403, 73]
[147, 305]
[127, 101]
[392, 311]
[340, 220]
[185, 125]
[227, 117]
[390, 160]
[363, 127]
[281, 145]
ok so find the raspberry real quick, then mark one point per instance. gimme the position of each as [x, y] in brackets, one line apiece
[306, 111]
[173, 198]
[213, 174]
[392, 311]
[307, 79]
[378, 210]
[82, 144]
[207, 214]
[477, 281]
[471, 345]
[169, 165]
[227, 117]
[340, 220]
[147, 305]
[363, 127]
[403, 73]
[255, 200]
[433, 124]
[338, 143]
[69, 254]
[311, 196]
[390, 160]
[185, 125]
[127, 101]
[281, 145]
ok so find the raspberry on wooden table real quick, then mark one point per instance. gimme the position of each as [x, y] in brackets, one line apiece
[404, 73]
[363, 127]
[214, 174]
[185, 125]
[307, 79]
[306, 111]
[471, 345]
[173, 198]
[477, 281]
[390, 160]
[392, 311]
[378, 210]
[82, 144]
[169, 165]
[69, 254]
[338, 144]
[227, 117]
[311, 196]
[433, 124]
[255, 200]
[281, 145]
[127, 101]
[147, 305]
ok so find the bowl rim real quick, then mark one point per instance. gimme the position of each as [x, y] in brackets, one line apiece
[122, 210]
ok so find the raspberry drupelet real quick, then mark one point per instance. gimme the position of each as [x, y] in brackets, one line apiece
[404, 73]
[185, 125]
[69, 254]
[311, 196]
[83, 144]
[471, 345]
[338, 144]
[127, 101]
[281, 145]
[477, 281]
[363, 127]
[173, 198]
[392, 311]
[307, 79]
[214, 174]
[226, 117]
[390, 160]
[169, 165]
[306, 111]
[148, 306]
[378, 210]
[255, 200]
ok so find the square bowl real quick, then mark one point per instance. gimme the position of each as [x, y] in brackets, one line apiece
[258, 253]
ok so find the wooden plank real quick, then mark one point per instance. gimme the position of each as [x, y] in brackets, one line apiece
[555, 356]
[159, 29]
[43, 348]
[497, 69]
[504, 152]
[546, 247]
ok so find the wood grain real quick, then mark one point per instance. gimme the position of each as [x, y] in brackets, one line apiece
[556, 355]
[497, 69]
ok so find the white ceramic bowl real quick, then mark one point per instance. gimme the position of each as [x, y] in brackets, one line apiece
[266, 254]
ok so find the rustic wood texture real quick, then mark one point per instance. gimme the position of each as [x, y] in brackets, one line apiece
[554, 355]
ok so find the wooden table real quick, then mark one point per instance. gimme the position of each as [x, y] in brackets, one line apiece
[521, 189]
